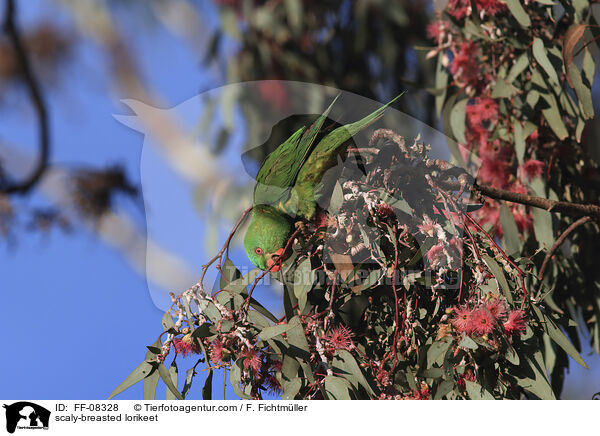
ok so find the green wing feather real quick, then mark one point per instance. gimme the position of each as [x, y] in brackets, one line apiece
[278, 173]
[324, 157]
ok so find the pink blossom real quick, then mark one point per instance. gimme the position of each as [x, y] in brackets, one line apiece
[497, 309]
[482, 109]
[272, 385]
[515, 323]
[275, 93]
[490, 7]
[218, 353]
[186, 345]
[340, 338]
[464, 66]
[462, 319]
[435, 253]
[482, 321]
[252, 360]
[493, 171]
[532, 168]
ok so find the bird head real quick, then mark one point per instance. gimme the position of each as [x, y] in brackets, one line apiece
[266, 237]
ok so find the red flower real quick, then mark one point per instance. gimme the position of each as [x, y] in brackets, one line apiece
[523, 219]
[435, 29]
[252, 360]
[186, 345]
[274, 92]
[464, 66]
[340, 338]
[435, 253]
[218, 352]
[515, 323]
[429, 227]
[490, 7]
[459, 8]
[497, 309]
[385, 211]
[493, 171]
[482, 321]
[532, 168]
[462, 319]
[482, 109]
[272, 385]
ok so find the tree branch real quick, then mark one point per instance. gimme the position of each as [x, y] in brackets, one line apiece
[564, 207]
[37, 100]
[559, 242]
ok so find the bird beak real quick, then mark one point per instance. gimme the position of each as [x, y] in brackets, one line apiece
[274, 261]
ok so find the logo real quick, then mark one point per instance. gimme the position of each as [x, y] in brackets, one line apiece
[26, 415]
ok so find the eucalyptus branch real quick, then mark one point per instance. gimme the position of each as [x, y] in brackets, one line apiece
[37, 100]
[563, 207]
[558, 243]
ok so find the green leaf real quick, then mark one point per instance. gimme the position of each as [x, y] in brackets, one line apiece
[301, 350]
[166, 378]
[229, 273]
[303, 282]
[519, 140]
[436, 353]
[443, 389]
[204, 331]
[554, 117]
[189, 377]
[503, 89]
[457, 120]
[558, 336]
[337, 388]
[207, 388]
[149, 385]
[174, 375]
[142, 371]
[235, 377]
[345, 364]
[512, 356]
[540, 54]
[589, 67]
[273, 331]
[518, 67]
[516, 9]
[294, 12]
[498, 273]
[290, 389]
[539, 384]
[510, 237]
[167, 321]
[542, 226]
[467, 342]
[584, 94]
[337, 198]
[477, 392]
[441, 82]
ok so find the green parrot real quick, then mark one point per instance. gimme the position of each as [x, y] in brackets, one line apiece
[289, 185]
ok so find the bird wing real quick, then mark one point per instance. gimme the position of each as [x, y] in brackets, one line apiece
[278, 173]
[323, 157]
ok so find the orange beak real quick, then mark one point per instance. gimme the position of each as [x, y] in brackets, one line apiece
[274, 262]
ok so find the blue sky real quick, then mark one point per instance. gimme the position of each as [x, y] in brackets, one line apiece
[75, 316]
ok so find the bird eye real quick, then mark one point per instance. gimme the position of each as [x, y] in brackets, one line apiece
[258, 250]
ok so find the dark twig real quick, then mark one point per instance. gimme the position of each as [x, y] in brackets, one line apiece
[558, 243]
[564, 207]
[37, 100]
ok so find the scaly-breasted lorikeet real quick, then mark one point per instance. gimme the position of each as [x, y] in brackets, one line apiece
[288, 186]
